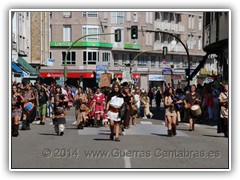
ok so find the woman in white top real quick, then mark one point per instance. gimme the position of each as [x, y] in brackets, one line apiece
[114, 102]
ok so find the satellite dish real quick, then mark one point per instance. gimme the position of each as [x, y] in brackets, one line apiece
[14, 56]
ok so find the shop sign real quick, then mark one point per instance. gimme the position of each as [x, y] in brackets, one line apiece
[167, 71]
[155, 77]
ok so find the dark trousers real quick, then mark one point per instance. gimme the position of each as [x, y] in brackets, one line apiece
[222, 126]
[127, 117]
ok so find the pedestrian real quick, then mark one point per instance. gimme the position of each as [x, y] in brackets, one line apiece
[145, 100]
[91, 113]
[81, 107]
[170, 112]
[192, 98]
[58, 99]
[223, 121]
[99, 104]
[70, 98]
[29, 110]
[209, 102]
[17, 101]
[43, 96]
[49, 103]
[128, 99]
[158, 99]
[136, 106]
[115, 101]
[151, 96]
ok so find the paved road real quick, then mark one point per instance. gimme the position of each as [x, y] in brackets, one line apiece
[144, 145]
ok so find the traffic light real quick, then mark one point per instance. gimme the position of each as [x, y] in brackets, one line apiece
[187, 72]
[117, 35]
[134, 32]
[165, 50]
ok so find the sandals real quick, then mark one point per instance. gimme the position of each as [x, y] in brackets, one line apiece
[117, 139]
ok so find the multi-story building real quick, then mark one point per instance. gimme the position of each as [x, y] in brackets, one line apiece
[30, 43]
[150, 68]
[216, 39]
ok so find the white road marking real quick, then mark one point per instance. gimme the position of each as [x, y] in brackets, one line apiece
[139, 129]
[145, 122]
[127, 162]
[196, 125]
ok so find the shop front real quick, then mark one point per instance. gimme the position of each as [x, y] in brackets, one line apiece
[156, 81]
[86, 79]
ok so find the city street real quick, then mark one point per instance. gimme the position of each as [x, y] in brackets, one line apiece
[144, 145]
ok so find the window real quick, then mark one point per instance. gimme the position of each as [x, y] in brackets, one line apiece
[164, 37]
[156, 36]
[189, 21]
[66, 14]
[91, 30]
[190, 42]
[179, 37]
[90, 14]
[171, 17]
[124, 58]
[208, 18]
[117, 17]
[71, 58]
[149, 17]
[115, 57]
[50, 55]
[200, 23]
[66, 32]
[142, 61]
[50, 33]
[157, 15]
[153, 61]
[160, 61]
[178, 18]
[90, 57]
[193, 20]
[135, 17]
[131, 57]
[165, 16]
[105, 57]
[170, 38]
[199, 42]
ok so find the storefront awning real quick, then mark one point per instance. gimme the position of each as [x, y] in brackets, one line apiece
[27, 66]
[16, 68]
[69, 74]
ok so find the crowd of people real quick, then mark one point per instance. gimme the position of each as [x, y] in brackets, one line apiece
[119, 106]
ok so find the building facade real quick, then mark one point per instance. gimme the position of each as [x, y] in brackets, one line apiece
[30, 43]
[148, 66]
[216, 39]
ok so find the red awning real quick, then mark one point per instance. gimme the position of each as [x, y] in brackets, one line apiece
[119, 75]
[69, 74]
